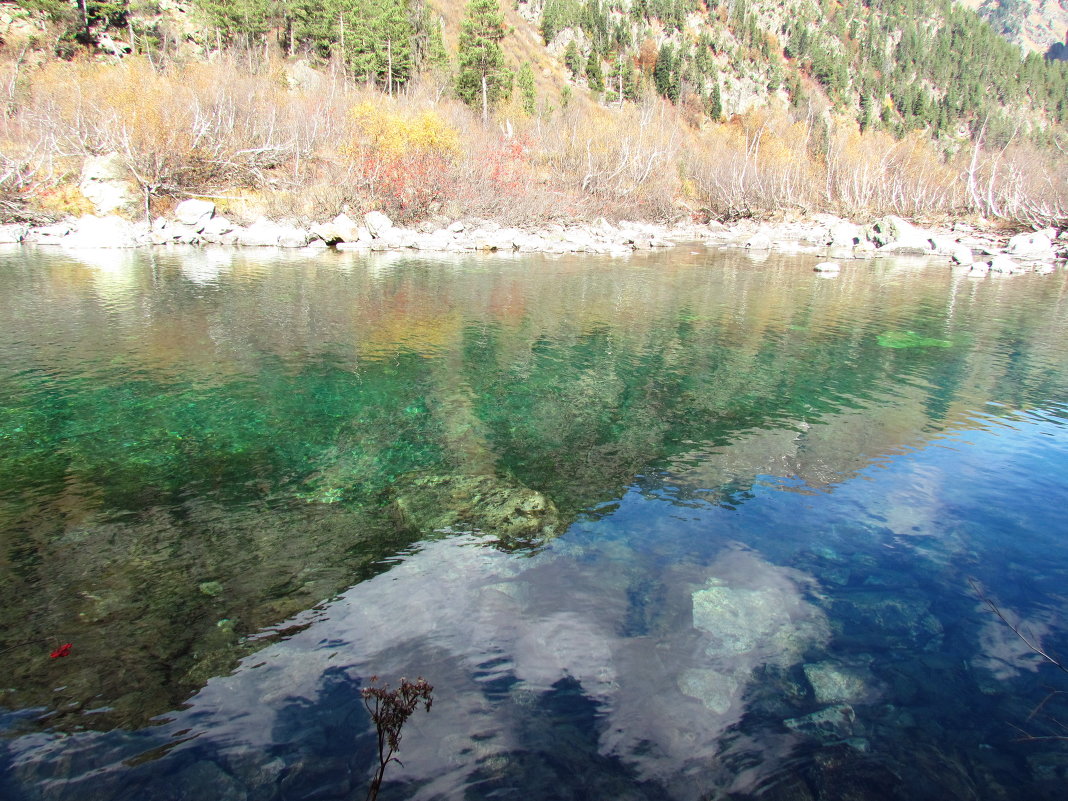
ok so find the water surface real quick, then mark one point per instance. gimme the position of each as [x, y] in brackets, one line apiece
[685, 525]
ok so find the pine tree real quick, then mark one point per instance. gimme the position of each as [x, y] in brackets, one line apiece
[573, 58]
[662, 72]
[526, 88]
[552, 20]
[436, 54]
[482, 74]
[632, 81]
[715, 101]
[234, 19]
[594, 74]
[393, 52]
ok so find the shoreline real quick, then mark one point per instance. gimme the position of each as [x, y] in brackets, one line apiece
[195, 222]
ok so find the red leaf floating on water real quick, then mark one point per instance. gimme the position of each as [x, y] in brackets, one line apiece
[63, 650]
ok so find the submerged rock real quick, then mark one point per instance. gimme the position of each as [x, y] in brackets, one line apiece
[771, 623]
[835, 682]
[716, 690]
[834, 723]
[904, 616]
[485, 503]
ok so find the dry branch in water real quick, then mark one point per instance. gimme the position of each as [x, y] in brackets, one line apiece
[390, 709]
[1058, 729]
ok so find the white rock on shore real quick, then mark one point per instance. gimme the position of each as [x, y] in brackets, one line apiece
[895, 234]
[377, 223]
[13, 234]
[1031, 247]
[106, 232]
[194, 213]
[195, 222]
[106, 183]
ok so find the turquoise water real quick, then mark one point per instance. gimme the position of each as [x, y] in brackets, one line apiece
[686, 525]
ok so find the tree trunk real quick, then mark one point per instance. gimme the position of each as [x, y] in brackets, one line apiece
[485, 100]
[389, 57]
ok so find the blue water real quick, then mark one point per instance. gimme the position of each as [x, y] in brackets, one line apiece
[240, 488]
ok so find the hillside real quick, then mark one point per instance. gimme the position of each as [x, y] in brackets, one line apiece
[649, 107]
[1035, 25]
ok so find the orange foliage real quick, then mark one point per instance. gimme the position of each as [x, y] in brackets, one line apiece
[647, 56]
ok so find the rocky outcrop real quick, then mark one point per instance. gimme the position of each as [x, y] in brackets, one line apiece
[109, 186]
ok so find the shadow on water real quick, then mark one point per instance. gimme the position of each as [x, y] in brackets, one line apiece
[730, 526]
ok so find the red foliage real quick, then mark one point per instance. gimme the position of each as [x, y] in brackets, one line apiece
[405, 186]
[507, 164]
[63, 650]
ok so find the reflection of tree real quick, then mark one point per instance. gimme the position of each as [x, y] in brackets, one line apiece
[177, 509]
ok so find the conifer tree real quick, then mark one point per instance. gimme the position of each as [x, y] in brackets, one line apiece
[573, 58]
[482, 75]
[234, 19]
[394, 31]
[665, 66]
[715, 101]
[526, 88]
[594, 74]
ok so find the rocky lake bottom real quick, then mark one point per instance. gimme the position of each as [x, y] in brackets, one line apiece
[694, 524]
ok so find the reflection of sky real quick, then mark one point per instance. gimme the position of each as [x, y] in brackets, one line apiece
[655, 613]
[467, 616]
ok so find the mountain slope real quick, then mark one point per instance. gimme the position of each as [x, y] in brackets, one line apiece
[1035, 25]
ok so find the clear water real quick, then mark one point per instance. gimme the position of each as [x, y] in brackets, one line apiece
[686, 525]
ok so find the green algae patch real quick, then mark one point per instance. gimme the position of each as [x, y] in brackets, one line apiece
[910, 339]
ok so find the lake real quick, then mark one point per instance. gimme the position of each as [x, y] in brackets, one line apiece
[688, 524]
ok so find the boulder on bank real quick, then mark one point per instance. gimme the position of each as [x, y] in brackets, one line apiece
[264, 233]
[106, 232]
[758, 242]
[164, 232]
[962, 255]
[108, 185]
[897, 235]
[216, 228]
[844, 235]
[1005, 265]
[377, 223]
[341, 229]
[12, 234]
[1032, 247]
[195, 213]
